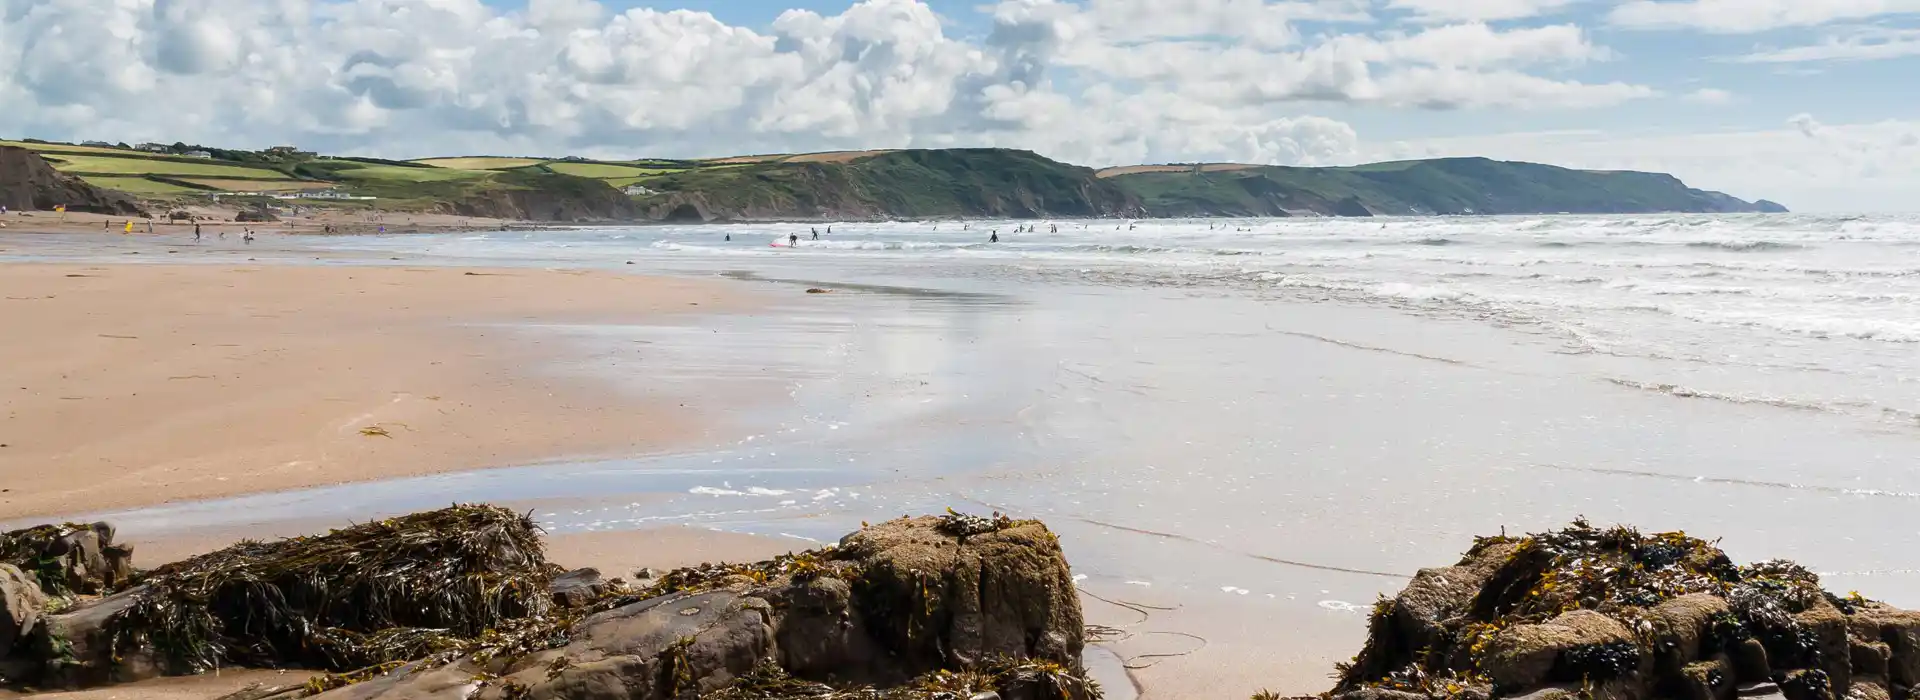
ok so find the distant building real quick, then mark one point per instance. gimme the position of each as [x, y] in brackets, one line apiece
[637, 190]
[198, 154]
[321, 194]
[152, 147]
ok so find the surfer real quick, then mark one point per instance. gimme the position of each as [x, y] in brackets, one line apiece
[995, 238]
[793, 240]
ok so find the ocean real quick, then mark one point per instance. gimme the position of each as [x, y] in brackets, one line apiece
[1259, 425]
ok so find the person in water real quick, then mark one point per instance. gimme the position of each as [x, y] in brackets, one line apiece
[995, 238]
[793, 240]
[816, 235]
[729, 238]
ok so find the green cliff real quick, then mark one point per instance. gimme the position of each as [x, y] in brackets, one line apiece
[1414, 188]
[959, 182]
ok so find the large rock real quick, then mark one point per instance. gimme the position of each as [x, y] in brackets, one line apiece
[1524, 656]
[79, 648]
[1418, 616]
[935, 600]
[21, 603]
[893, 602]
[1613, 614]
[671, 647]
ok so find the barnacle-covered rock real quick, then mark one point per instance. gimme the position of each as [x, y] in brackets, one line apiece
[1616, 614]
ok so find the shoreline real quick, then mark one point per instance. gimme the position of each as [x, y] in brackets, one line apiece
[154, 383]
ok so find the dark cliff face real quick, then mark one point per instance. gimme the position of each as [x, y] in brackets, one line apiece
[995, 183]
[28, 182]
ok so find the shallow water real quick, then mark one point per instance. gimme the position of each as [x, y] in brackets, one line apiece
[1275, 423]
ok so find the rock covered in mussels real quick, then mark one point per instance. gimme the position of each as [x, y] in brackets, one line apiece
[1616, 614]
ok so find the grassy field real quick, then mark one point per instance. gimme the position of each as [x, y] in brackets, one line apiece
[395, 173]
[106, 165]
[258, 185]
[480, 162]
[64, 148]
[600, 171]
[138, 185]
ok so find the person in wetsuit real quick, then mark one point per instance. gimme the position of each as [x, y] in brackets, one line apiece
[793, 240]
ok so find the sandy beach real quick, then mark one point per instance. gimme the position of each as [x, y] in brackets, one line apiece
[130, 385]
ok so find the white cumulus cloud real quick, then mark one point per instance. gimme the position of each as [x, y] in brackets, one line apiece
[1098, 81]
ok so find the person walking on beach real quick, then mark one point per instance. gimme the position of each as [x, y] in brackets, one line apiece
[196, 233]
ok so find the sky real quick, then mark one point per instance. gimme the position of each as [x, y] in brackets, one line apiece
[1811, 103]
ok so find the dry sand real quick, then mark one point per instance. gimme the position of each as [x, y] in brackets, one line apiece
[131, 385]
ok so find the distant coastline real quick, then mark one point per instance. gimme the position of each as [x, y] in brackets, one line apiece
[155, 182]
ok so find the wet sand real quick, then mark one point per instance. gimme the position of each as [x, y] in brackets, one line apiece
[131, 385]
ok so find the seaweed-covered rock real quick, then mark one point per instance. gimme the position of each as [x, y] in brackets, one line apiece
[1582, 645]
[947, 607]
[940, 598]
[78, 648]
[69, 558]
[381, 592]
[21, 603]
[1613, 613]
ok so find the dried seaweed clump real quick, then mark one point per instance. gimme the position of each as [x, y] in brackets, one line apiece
[385, 591]
[705, 577]
[68, 558]
[960, 524]
[1583, 567]
[1004, 677]
[35, 550]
